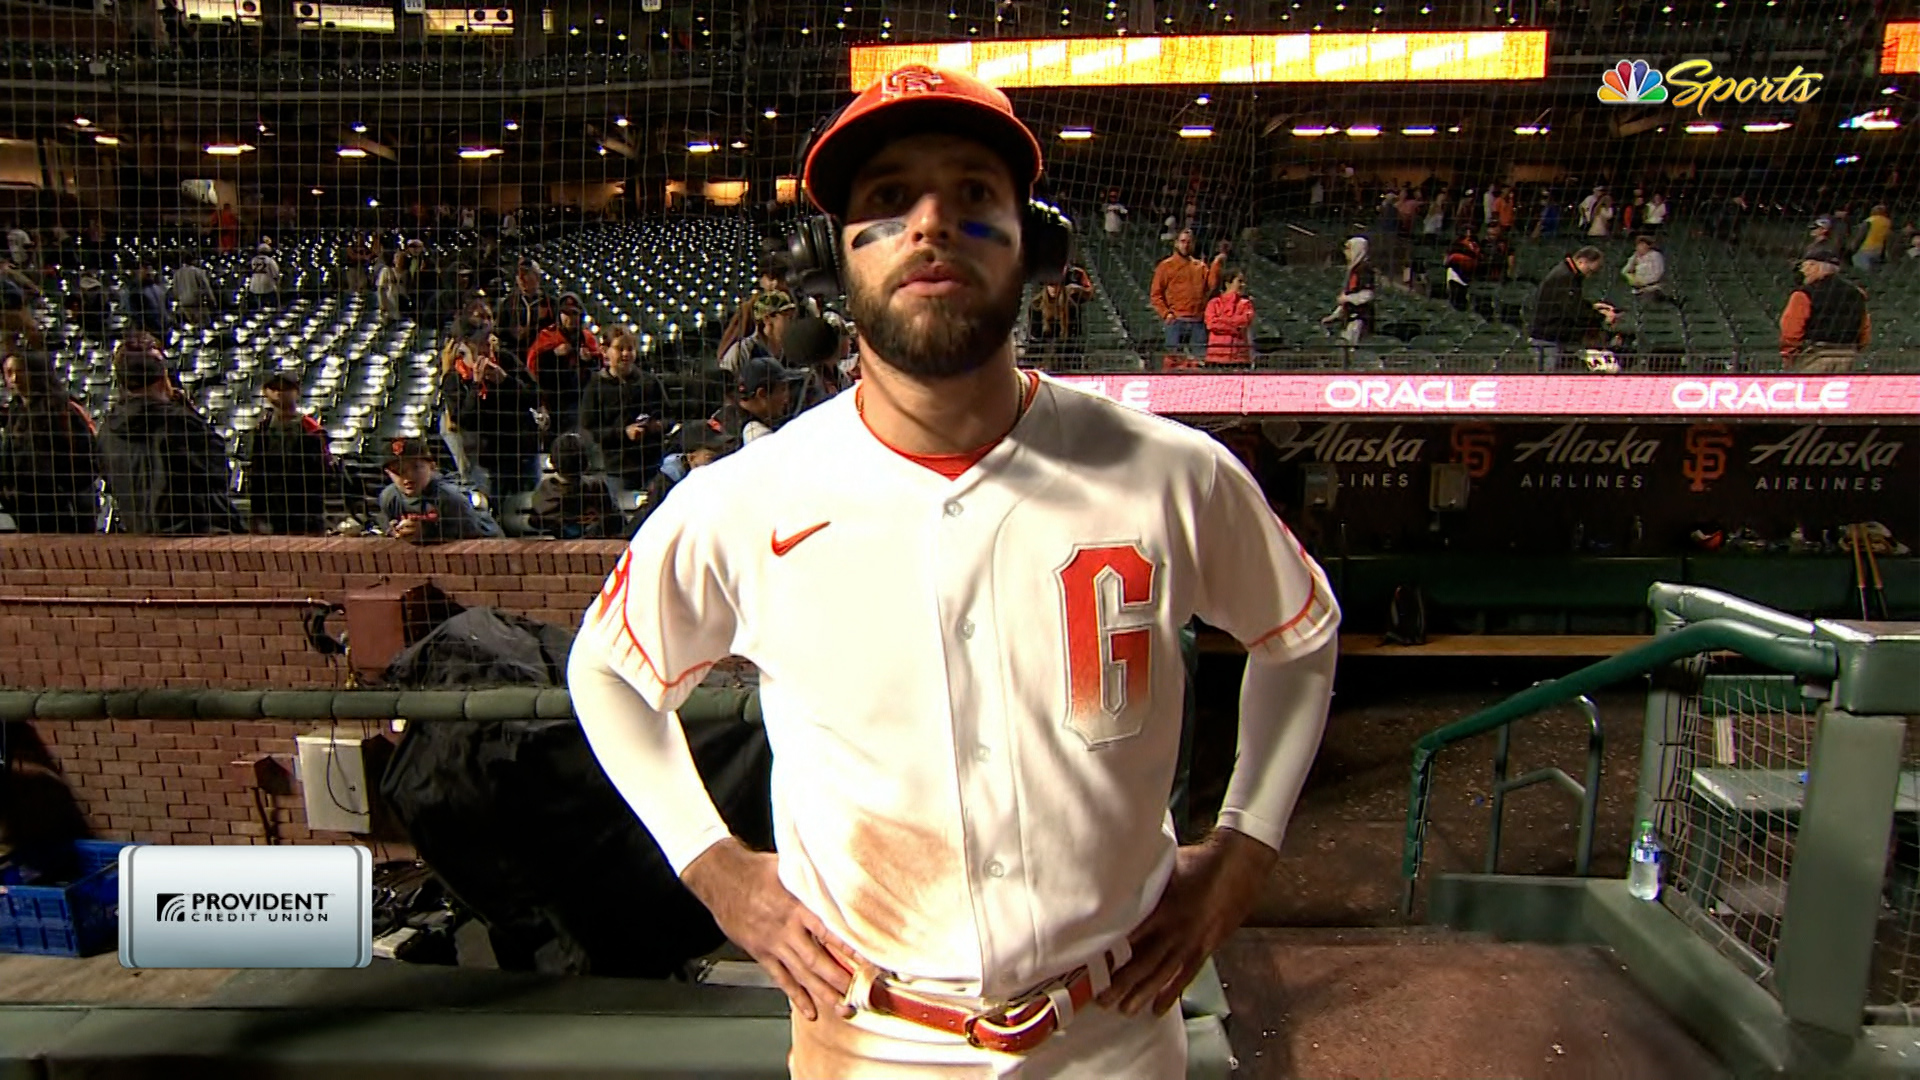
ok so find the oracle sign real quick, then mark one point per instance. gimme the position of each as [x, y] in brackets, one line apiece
[1511, 395]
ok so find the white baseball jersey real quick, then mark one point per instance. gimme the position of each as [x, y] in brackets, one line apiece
[973, 687]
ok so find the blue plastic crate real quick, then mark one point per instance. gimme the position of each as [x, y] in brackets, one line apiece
[78, 918]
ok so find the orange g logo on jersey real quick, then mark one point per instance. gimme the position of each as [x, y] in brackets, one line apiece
[1108, 667]
[614, 591]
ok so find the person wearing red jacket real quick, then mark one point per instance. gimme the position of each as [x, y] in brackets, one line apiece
[1230, 323]
[561, 360]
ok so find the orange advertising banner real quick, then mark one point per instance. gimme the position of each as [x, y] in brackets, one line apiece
[1900, 52]
[1423, 56]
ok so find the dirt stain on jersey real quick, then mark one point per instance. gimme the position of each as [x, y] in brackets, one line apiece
[910, 875]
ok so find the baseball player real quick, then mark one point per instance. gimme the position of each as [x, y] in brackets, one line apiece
[963, 585]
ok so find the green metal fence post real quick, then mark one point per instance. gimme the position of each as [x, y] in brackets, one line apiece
[1839, 862]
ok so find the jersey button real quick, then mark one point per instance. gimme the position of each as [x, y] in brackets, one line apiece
[994, 869]
[966, 629]
[983, 753]
[953, 508]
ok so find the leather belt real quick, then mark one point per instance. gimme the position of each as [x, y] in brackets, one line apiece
[1016, 1027]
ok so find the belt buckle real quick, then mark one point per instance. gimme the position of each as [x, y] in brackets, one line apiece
[973, 1038]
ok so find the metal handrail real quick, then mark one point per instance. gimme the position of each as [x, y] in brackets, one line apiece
[1588, 793]
[1782, 652]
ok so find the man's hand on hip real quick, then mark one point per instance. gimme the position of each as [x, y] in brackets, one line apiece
[1213, 887]
[743, 891]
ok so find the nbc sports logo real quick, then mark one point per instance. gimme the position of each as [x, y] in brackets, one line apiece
[171, 906]
[1632, 82]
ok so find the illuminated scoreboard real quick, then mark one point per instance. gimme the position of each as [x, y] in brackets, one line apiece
[1437, 56]
[1900, 50]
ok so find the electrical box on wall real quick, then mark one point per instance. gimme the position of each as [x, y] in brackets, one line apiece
[337, 771]
[1450, 486]
[1320, 485]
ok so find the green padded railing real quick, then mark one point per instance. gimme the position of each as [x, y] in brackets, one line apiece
[503, 703]
[1761, 635]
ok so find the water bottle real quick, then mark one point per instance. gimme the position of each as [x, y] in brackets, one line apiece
[1643, 879]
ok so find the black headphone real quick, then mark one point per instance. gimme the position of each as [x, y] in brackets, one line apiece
[813, 250]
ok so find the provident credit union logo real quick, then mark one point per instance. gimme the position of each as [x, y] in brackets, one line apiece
[248, 907]
[1694, 85]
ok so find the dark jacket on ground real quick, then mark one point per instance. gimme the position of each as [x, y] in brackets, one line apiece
[608, 405]
[290, 470]
[1561, 312]
[167, 470]
[582, 510]
[444, 513]
[47, 464]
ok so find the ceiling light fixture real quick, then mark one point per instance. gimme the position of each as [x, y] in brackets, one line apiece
[1703, 128]
[1196, 131]
[1417, 131]
[81, 121]
[316, 191]
[480, 153]
[229, 149]
[701, 147]
[1766, 127]
[359, 129]
[1363, 131]
[1314, 131]
[351, 152]
[1532, 129]
[1076, 134]
[106, 140]
[619, 121]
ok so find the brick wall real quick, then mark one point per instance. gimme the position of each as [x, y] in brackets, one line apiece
[169, 781]
[123, 642]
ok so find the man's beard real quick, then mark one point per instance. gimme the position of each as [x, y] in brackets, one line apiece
[948, 336]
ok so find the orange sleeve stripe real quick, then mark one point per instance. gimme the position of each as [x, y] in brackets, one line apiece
[1305, 610]
[653, 669]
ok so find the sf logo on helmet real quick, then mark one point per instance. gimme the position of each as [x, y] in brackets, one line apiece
[914, 79]
[397, 447]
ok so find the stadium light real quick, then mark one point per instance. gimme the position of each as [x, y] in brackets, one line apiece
[81, 121]
[513, 125]
[1314, 132]
[106, 140]
[1532, 129]
[317, 191]
[359, 129]
[738, 144]
[1703, 129]
[1196, 131]
[1203, 100]
[1076, 134]
[351, 152]
[620, 121]
[1768, 126]
[1363, 131]
[701, 147]
[480, 153]
[1418, 131]
[1885, 91]
[771, 114]
[1846, 159]
[229, 149]
[1877, 120]
[374, 203]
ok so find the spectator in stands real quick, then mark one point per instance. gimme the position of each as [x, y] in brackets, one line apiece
[1383, 242]
[19, 329]
[263, 280]
[411, 262]
[1496, 255]
[20, 247]
[1825, 323]
[88, 306]
[1230, 323]
[564, 356]
[46, 450]
[1820, 238]
[194, 300]
[817, 347]
[762, 399]
[1053, 320]
[1353, 309]
[1913, 247]
[1656, 216]
[147, 303]
[1600, 220]
[1462, 263]
[509, 228]
[1181, 285]
[1589, 204]
[772, 280]
[389, 284]
[574, 504]
[420, 506]
[226, 229]
[496, 408]
[1436, 220]
[1732, 219]
[1872, 251]
[1504, 211]
[357, 260]
[527, 312]
[1562, 315]
[1548, 223]
[623, 410]
[1115, 213]
[700, 443]
[290, 466]
[773, 312]
[1646, 269]
[166, 467]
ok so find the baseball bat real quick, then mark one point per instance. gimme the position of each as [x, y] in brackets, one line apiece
[1859, 570]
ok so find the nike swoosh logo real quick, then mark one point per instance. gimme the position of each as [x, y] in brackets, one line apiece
[781, 547]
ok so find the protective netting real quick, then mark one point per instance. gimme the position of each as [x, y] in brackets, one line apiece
[351, 197]
[1728, 815]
